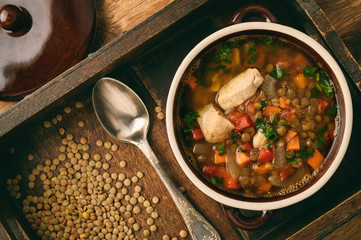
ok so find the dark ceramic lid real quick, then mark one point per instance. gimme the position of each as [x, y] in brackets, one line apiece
[41, 39]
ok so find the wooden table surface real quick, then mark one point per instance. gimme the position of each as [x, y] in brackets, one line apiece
[117, 16]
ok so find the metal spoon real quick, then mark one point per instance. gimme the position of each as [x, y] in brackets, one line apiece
[124, 116]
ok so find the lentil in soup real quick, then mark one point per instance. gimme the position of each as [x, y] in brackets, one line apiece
[258, 115]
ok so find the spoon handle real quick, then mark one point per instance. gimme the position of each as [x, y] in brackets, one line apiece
[197, 225]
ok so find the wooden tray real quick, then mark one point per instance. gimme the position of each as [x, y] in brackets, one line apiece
[146, 58]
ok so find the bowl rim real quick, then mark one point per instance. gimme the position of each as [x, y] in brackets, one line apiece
[318, 48]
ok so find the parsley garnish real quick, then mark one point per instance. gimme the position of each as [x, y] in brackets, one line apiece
[321, 78]
[282, 123]
[277, 73]
[241, 150]
[253, 58]
[234, 137]
[220, 148]
[319, 136]
[222, 53]
[188, 121]
[267, 40]
[264, 104]
[315, 93]
[267, 129]
[304, 154]
[331, 110]
[266, 146]
[216, 180]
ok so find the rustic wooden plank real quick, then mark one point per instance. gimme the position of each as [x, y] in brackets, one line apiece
[350, 230]
[331, 220]
[328, 32]
[96, 64]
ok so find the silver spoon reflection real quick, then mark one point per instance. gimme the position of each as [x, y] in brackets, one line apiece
[124, 116]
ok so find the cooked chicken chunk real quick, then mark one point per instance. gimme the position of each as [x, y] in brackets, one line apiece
[214, 126]
[259, 139]
[239, 89]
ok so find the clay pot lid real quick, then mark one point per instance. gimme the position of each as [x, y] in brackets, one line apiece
[41, 39]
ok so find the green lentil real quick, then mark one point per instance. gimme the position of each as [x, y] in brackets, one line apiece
[108, 145]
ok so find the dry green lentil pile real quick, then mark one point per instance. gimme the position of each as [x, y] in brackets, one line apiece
[82, 197]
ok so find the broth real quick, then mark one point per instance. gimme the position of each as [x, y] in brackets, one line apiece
[258, 115]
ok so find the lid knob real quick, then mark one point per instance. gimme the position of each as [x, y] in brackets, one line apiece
[15, 20]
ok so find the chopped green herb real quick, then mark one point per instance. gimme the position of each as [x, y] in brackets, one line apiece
[315, 93]
[267, 40]
[253, 58]
[304, 154]
[234, 137]
[331, 110]
[320, 136]
[188, 140]
[222, 53]
[292, 160]
[267, 130]
[221, 149]
[320, 76]
[216, 180]
[202, 81]
[282, 123]
[264, 104]
[266, 146]
[241, 150]
[277, 73]
[251, 43]
[274, 119]
[310, 71]
[189, 121]
[251, 50]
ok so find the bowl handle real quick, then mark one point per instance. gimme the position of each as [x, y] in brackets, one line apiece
[245, 219]
[251, 10]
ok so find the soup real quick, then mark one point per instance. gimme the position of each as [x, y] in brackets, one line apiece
[257, 115]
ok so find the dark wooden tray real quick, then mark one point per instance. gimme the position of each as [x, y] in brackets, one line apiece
[146, 59]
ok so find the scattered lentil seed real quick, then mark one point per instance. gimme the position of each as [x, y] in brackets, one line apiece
[140, 174]
[155, 200]
[31, 185]
[69, 137]
[149, 210]
[136, 226]
[136, 209]
[122, 164]
[146, 232]
[153, 228]
[108, 156]
[127, 182]
[106, 166]
[59, 117]
[99, 143]
[79, 104]
[154, 215]
[97, 157]
[146, 203]
[54, 121]
[134, 179]
[174, 238]
[114, 147]
[61, 131]
[182, 189]
[166, 237]
[67, 110]
[47, 124]
[83, 140]
[133, 200]
[183, 234]
[121, 176]
[160, 115]
[81, 123]
[30, 157]
[158, 109]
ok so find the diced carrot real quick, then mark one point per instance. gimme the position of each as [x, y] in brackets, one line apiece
[242, 158]
[316, 160]
[323, 104]
[247, 146]
[265, 155]
[283, 103]
[294, 143]
[192, 82]
[288, 115]
[243, 123]
[251, 110]
[218, 159]
[290, 134]
[300, 61]
[269, 111]
[230, 183]
[300, 81]
[265, 187]
[262, 169]
[197, 134]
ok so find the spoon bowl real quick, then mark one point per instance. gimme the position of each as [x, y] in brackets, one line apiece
[125, 117]
[120, 111]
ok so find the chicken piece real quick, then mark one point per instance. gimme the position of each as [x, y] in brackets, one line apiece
[259, 139]
[239, 89]
[214, 126]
